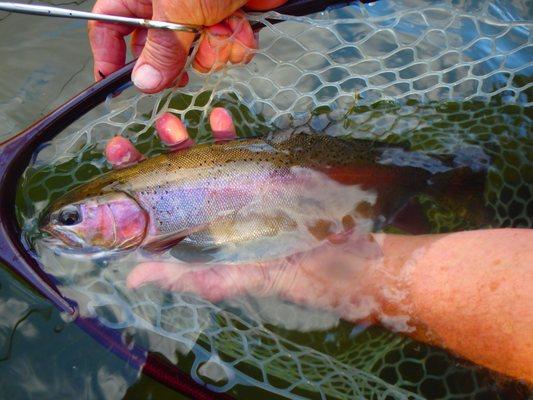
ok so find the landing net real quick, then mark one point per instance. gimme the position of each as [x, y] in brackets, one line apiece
[435, 75]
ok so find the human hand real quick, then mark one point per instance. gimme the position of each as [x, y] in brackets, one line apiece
[335, 277]
[468, 292]
[121, 153]
[162, 54]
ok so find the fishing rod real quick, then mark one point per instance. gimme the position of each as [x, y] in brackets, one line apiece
[48, 11]
[294, 8]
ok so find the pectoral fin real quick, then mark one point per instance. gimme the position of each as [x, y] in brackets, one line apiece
[164, 242]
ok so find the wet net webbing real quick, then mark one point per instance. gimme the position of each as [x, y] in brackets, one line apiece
[435, 75]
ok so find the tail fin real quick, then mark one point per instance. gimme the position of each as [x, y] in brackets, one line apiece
[461, 193]
[451, 199]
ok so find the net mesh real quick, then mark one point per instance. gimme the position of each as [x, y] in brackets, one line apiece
[437, 76]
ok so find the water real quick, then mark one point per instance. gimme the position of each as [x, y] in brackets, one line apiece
[44, 63]
[43, 356]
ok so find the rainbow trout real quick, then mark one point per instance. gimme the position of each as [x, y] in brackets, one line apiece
[263, 197]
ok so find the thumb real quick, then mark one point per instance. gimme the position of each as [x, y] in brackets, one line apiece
[162, 60]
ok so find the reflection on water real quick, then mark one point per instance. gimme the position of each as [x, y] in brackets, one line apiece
[43, 357]
[45, 61]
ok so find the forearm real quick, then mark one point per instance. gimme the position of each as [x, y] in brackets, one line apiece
[470, 292]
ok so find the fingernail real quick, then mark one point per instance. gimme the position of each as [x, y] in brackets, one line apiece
[222, 124]
[219, 30]
[217, 35]
[171, 129]
[147, 77]
[120, 152]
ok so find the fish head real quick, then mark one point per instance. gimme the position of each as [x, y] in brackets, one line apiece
[110, 221]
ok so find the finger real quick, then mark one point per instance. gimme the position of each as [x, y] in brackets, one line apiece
[108, 47]
[212, 12]
[214, 283]
[138, 40]
[243, 41]
[214, 49]
[232, 40]
[120, 153]
[222, 124]
[107, 39]
[172, 131]
[162, 58]
[262, 5]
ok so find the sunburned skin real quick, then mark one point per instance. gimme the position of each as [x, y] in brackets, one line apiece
[469, 292]
[228, 37]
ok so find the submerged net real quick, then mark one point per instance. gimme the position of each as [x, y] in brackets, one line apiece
[436, 76]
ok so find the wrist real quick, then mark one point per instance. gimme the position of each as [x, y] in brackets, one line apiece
[390, 280]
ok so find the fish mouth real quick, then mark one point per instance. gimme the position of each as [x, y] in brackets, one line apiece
[68, 240]
[61, 249]
[65, 244]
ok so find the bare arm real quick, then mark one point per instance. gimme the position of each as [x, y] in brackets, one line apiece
[469, 292]
[472, 293]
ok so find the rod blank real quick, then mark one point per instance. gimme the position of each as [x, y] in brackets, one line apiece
[66, 13]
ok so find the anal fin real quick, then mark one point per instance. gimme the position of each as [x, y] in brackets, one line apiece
[411, 218]
[400, 209]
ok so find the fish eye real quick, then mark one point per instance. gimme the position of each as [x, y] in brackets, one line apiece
[69, 216]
